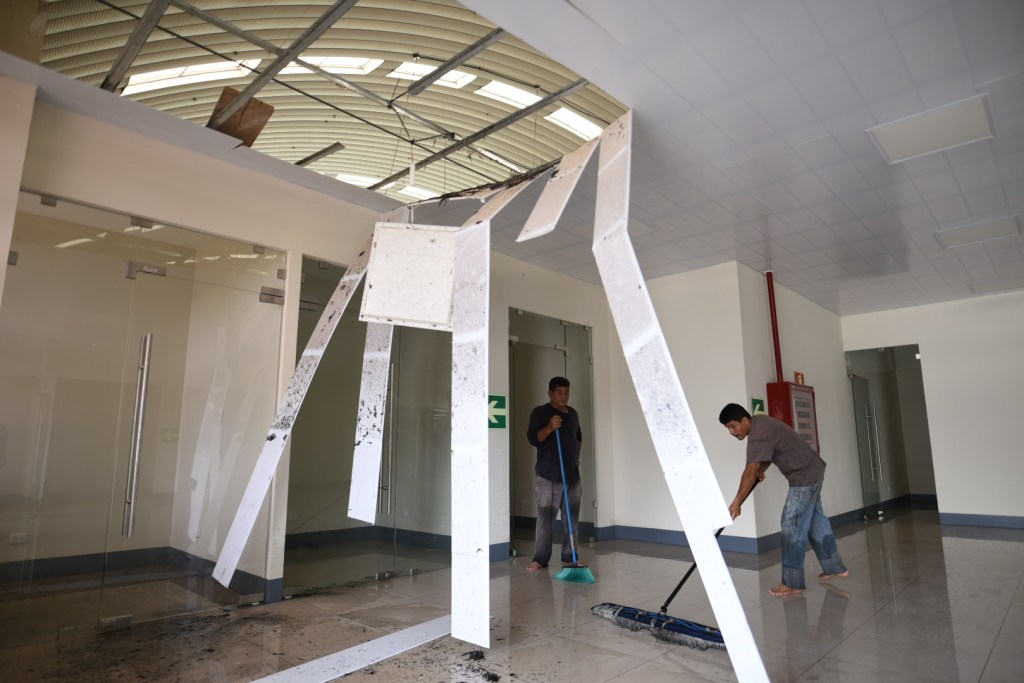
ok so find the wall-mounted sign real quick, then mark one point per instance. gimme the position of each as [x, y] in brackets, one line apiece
[497, 412]
[798, 378]
[757, 406]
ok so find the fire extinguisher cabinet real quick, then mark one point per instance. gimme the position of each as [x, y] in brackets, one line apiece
[794, 404]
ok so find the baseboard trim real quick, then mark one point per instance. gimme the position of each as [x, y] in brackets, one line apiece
[993, 521]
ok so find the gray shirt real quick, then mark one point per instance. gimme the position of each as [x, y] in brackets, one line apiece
[772, 440]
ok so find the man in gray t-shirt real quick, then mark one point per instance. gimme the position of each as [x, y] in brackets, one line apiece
[771, 441]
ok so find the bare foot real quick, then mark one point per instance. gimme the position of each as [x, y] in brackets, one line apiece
[784, 591]
[825, 577]
[533, 567]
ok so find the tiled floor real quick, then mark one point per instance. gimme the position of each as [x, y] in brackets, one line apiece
[923, 603]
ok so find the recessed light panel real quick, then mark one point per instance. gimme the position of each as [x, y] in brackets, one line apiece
[935, 130]
[978, 232]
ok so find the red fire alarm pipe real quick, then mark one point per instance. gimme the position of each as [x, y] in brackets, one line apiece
[775, 325]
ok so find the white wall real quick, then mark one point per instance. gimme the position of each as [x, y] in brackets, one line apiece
[972, 366]
[810, 342]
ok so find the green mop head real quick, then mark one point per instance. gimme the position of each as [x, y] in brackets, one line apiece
[576, 573]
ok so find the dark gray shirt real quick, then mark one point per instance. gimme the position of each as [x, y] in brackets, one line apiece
[772, 440]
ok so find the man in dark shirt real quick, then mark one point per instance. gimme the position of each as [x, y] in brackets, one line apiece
[772, 441]
[544, 421]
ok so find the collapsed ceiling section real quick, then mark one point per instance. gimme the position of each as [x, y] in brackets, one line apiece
[411, 98]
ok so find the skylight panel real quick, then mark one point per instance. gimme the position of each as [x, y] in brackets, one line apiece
[574, 123]
[417, 192]
[359, 66]
[360, 180]
[413, 71]
[197, 73]
[508, 94]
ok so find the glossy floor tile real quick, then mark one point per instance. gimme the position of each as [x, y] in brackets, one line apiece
[923, 602]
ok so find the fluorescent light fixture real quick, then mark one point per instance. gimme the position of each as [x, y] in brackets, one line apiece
[197, 73]
[243, 255]
[978, 232]
[417, 192]
[508, 94]
[335, 65]
[574, 123]
[413, 71]
[935, 130]
[72, 243]
[994, 286]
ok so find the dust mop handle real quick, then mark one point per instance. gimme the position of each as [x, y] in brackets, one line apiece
[664, 608]
[565, 494]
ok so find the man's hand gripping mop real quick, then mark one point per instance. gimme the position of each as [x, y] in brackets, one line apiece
[660, 624]
[576, 572]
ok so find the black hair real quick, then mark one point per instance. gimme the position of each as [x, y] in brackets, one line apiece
[558, 382]
[733, 411]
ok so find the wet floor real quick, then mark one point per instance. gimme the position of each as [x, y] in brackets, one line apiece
[923, 602]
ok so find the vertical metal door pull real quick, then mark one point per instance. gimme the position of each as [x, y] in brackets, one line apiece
[138, 425]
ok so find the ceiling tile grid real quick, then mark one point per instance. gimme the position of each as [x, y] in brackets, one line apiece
[750, 116]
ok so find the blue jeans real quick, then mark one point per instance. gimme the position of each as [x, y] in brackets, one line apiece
[803, 519]
[551, 500]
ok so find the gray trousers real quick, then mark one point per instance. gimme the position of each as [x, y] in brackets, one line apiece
[551, 500]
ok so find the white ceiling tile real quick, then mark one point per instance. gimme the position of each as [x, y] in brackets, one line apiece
[1011, 166]
[931, 46]
[787, 262]
[1015, 195]
[747, 175]
[794, 244]
[884, 223]
[949, 210]
[786, 30]
[702, 136]
[808, 188]
[976, 176]
[897, 106]
[802, 220]
[969, 154]
[849, 128]
[864, 203]
[831, 212]
[851, 231]
[709, 180]
[744, 206]
[737, 119]
[691, 16]
[900, 194]
[825, 86]
[777, 157]
[915, 217]
[845, 23]
[947, 90]
[990, 30]
[986, 202]
[775, 197]
[876, 67]
[822, 237]
[936, 185]
[778, 103]
[820, 151]
[929, 163]
[715, 215]
[719, 239]
[733, 51]
[698, 84]
[976, 259]
[843, 178]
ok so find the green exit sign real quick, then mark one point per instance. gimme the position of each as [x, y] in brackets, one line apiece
[497, 412]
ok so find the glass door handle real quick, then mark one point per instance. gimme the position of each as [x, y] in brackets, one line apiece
[138, 426]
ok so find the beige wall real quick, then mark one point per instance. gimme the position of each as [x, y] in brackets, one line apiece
[972, 370]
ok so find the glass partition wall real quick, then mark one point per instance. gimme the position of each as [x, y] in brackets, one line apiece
[138, 376]
[412, 529]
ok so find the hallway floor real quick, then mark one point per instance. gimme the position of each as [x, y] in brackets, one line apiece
[923, 602]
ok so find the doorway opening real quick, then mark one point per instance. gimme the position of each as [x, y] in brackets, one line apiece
[892, 430]
[541, 348]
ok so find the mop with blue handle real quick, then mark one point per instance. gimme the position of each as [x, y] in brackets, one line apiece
[576, 572]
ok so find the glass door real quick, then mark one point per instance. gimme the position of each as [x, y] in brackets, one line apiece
[139, 375]
[866, 420]
[412, 528]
